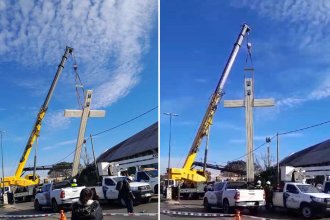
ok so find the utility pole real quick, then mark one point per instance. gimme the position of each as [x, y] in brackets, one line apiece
[96, 170]
[3, 171]
[268, 140]
[278, 164]
[169, 142]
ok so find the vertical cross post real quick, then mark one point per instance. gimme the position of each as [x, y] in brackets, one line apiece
[249, 102]
[84, 115]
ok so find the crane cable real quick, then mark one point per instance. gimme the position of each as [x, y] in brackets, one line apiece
[78, 83]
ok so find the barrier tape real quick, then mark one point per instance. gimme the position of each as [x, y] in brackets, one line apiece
[259, 218]
[52, 214]
[199, 214]
[28, 216]
[130, 214]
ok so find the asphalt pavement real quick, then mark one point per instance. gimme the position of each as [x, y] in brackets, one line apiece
[194, 208]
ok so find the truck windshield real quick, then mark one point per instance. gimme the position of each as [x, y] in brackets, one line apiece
[308, 189]
[237, 185]
[152, 173]
[119, 178]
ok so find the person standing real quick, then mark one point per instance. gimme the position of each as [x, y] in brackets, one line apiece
[127, 195]
[74, 183]
[268, 195]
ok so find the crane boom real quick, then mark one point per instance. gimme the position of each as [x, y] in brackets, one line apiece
[186, 173]
[17, 179]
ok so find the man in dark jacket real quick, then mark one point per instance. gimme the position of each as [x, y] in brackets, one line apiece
[86, 208]
[126, 194]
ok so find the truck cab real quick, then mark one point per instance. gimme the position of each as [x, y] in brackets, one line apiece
[148, 176]
[305, 198]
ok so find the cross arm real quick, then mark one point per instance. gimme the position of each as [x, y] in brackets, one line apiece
[233, 103]
[263, 103]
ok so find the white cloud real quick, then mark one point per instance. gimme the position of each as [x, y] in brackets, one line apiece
[63, 143]
[57, 120]
[109, 38]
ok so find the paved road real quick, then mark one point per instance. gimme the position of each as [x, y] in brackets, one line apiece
[196, 206]
[27, 209]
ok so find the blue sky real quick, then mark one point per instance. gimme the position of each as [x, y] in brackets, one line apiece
[116, 48]
[290, 44]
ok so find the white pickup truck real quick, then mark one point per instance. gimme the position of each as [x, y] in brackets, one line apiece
[142, 191]
[57, 195]
[303, 197]
[231, 195]
[148, 176]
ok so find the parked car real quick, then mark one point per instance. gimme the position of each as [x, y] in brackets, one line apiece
[305, 198]
[233, 195]
[57, 195]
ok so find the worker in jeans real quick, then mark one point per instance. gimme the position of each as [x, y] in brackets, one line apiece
[126, 194]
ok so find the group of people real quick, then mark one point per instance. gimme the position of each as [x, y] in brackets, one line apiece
[268, 192]
[89, 208]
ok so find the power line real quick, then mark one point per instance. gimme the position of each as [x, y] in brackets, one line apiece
[107, 130]
[126, 122]
[284, 133]
[305, 128]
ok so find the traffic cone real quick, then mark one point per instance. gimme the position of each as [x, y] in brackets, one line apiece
[238, 215]
[62, 215]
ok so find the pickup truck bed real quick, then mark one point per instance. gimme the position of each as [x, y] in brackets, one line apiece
[230, 195]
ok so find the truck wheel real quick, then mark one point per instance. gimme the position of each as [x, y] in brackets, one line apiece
[37, 206]
[226, 207]
[206, 204]
[253, 210]
[306, 211]
[55, 206]
[156, 189]
[147, 200]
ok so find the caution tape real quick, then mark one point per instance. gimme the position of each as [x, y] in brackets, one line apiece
[130, 214]
[28, 216]
[199, 214]
[52, 214]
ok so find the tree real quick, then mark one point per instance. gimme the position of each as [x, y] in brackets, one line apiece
[62, 169]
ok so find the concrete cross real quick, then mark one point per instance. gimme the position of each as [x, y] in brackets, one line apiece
[249, 103]
[84, 115]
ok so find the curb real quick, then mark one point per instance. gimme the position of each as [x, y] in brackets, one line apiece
[199, 214]
[28, 216]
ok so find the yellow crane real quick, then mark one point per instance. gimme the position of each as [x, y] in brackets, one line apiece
[32, 179]
[187, 173]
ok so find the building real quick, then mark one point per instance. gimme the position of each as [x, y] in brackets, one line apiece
[142, 144]
[316, 155]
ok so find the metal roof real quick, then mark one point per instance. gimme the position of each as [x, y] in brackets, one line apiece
[316, 155]
[143, 143]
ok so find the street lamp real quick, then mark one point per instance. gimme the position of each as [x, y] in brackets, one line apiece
[169, 141]
[3, 172]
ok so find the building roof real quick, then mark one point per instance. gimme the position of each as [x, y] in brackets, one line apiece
[143, 143]
[316, 155]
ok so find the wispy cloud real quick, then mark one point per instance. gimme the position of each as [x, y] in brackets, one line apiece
[63, 143]
[109, 38]
[57, 120]
[305, 21]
